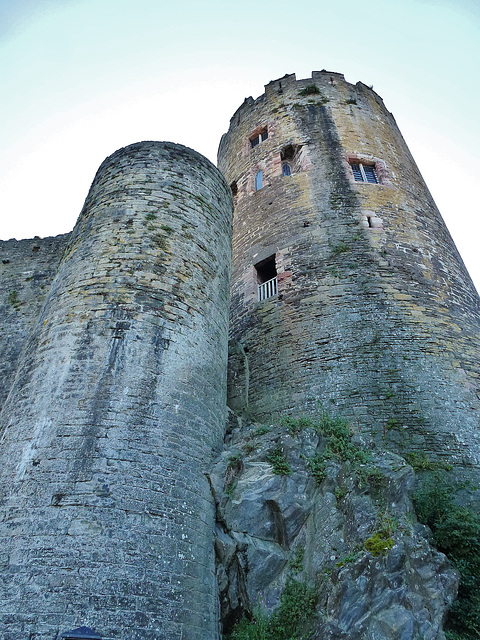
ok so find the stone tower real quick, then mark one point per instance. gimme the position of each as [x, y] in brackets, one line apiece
[346, 285]
[116, 409]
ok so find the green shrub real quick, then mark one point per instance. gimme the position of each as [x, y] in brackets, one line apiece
[340, 492]
[337, 432]
[421, 462]
[277, 458]
[290, 621]
[296, 563]
[371, 476]
[317, 467]
[234, 468]
[310, 90]
[456, 532]
[295, 425]
[261, 430]
[347, 559]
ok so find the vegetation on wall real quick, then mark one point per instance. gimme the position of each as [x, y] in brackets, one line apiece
[338, 436]
[456, 532]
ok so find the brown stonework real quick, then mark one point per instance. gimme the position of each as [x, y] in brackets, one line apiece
[377, 319]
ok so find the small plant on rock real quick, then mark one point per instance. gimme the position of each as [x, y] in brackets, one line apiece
[277, 458]
[309, 90]
[421, 462]
[379, 543]
[290, 621]
[296, 563]
[317, 467]
[295, 425]
[261, 430]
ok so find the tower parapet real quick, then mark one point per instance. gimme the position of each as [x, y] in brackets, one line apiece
[371, 310]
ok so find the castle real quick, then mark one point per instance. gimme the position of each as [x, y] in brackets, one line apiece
[346, 288]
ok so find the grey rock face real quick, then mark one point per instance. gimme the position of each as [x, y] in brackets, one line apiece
[106, 516]
[274, 528]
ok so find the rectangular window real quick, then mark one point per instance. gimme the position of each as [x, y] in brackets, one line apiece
[259, 137]
[266, 272]
[364, 172]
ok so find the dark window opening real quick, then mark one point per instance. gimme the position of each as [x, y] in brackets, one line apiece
[266, 272]
[364, 172]
[369, 220]
[258, 138]
[234, 188]
[290, 155]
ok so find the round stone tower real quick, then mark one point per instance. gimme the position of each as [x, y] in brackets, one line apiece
[106, 515]
[347, 288]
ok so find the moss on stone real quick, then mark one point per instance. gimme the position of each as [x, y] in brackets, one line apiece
[378, 544]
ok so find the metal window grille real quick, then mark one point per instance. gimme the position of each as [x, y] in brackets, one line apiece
[357, 174]
[267, 289]
[287, 171]
[364, 173]
[370, 174]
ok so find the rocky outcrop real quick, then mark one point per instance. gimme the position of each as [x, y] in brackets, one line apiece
[292, 506]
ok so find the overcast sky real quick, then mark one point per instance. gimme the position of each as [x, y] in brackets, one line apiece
[82, 78]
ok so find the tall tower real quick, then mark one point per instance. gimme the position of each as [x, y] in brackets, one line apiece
[346, 285]
[106, 516]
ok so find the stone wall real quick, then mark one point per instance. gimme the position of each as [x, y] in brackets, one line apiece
[27, 268]
[376, 316]
[116, 411]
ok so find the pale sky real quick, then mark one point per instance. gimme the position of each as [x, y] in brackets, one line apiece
[82, 78]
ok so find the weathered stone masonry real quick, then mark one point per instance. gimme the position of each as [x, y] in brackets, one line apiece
[375, 316]
[27, 268]
[117, 407]
[113, 344]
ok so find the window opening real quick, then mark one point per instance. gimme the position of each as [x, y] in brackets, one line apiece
[290, 155]
[289, 152]
[258, 180]
[369, 220]
[266, 273]
[364, 172]
[234, 188]
[258, 138]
